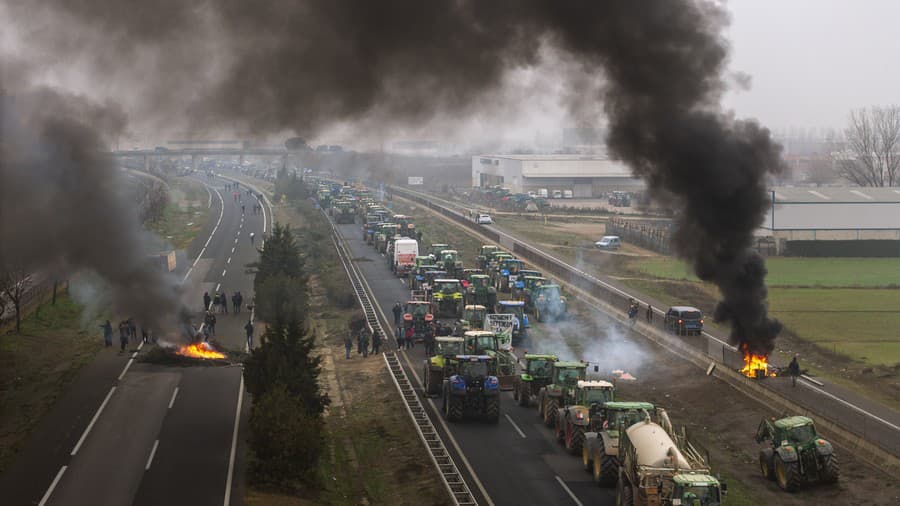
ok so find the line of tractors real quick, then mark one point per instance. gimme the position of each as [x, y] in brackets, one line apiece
[469, 332]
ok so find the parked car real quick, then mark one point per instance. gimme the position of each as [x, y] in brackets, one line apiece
[608, 242]
[684, 320]
[484, 219]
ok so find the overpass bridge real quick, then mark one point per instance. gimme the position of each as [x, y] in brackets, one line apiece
[197, 153]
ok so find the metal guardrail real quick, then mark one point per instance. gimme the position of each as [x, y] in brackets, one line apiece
[452, 478]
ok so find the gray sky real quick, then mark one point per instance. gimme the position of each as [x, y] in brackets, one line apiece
[813, 60]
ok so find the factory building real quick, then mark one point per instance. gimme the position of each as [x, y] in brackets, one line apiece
[843, 221]
[584, 176]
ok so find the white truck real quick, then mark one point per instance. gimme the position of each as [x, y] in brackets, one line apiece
[405, 252]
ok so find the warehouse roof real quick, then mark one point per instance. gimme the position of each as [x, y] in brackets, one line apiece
[835, 194]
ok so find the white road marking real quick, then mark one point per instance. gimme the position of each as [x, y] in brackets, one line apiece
[849, 405]
[514, 425]
[208, 202]
[218, 285]
[93, 421]
[223, 272]
[172, 400]
[130, 361]
[568, 491]
[232, 249]
[234, 434]
[211, 234]
[188, 274]
[235, 240]
[152, 453]
[228, 261]
[52, 486]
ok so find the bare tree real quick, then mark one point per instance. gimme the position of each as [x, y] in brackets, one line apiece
[15, 281]
[153, 199]
[873, 140]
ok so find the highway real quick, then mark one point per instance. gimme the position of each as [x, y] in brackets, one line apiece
[128, 432]
[516, 461]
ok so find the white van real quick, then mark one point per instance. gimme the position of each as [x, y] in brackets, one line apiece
[557, 194]
[405, 253]
[608, 242]
[567, 194]
[542, 193]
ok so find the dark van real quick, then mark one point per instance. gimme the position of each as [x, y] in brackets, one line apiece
[684, 320]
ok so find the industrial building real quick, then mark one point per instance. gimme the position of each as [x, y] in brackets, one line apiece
[837, 219]
[585, 176]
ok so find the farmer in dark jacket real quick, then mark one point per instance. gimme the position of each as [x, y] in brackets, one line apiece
[794, 369]
[398, 312]
[107, 334]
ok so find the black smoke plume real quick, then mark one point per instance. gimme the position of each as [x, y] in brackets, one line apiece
[658, 67]
[63, 205]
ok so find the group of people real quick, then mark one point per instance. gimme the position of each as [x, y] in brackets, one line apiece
[363, 337]
[634, 309]
[219, 302]
[128, 331]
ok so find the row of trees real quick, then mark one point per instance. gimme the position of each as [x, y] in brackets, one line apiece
[282, 374]
[872, 152]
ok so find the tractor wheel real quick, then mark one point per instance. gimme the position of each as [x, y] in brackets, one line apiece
[787, 474]
[540, 405]
[492, 409]
[524, 395]
[550, 412]
[767, 464]
[576, 440]
[624, 494]
[560, 431]
[454, 408]
[587, 461]
[831, 469]
[606, 467]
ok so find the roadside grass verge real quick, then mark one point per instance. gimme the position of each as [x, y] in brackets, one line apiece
[185, 215]
[37, 365]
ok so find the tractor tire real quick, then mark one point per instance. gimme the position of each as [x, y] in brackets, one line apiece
[787, 474]
[454, 408]
[624, 494]
[540, 405]
[831, 469]
[560, 431]
[492, 409]
[587, 460]
[550, 412]
[524, 395]
[575, 440]
[606, 467]
[767, 464]
[432, 383]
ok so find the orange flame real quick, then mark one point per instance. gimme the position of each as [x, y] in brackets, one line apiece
[755, 366]
[200, 350]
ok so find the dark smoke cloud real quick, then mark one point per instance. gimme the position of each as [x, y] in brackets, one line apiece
[657, 66]
[62, 203]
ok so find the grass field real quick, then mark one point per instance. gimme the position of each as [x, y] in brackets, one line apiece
[814, 272]
[185, 215]
[35, 367]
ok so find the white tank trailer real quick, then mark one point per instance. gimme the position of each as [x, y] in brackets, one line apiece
[660, 468]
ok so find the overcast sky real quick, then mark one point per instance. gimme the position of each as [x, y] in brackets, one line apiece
[813, 60]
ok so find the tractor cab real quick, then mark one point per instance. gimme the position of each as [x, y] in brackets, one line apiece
[473, 317]
[549, 303]
[594, 392]
[696, 490]
[447, 295]
[466, 274]
[484, 255]
[448, 346]
[538, 366]
[480, 342]
[449, 259]
[621, 415]
[569, 373]
[435, 251]
[519, 285]
[797, 430]
[517, 308]
[480, 291]
[529, 285]
[496, 258]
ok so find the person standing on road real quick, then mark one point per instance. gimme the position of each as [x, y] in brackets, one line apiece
[249, 329]
[223, 299]
[376, 343]
[240, 301]
[206, 300]
[210, 322]
[243, 208]
[398, 311]
[794, 368]
[145, 336]
[132, 329]
[123, 335]
[215, 301]
[410, 339]
[234, 303]
[107, 334]
[649, 313]
[400, 336]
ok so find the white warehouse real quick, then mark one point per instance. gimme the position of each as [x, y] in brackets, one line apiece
[833, 213]
[585, 176]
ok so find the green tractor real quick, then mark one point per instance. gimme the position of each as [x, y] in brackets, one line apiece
[418, 317]
[451, 263]
[480, 291]
[484, 342]
[443, 364]
[473, 389]
[518, 288]
[574, 420]
[549, 303]
[383, 234]
[447, 296]
[343, 212]
[600, 453]
[472, 319]
[797, 455]
[435, 251]
[559, 392]
[324, 198]
[417, 274]
[484, 256]
[535, 376]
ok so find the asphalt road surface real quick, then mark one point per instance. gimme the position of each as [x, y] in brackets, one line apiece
[516, 461]
[127, 432]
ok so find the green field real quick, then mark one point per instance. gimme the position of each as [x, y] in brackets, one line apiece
[818, 272]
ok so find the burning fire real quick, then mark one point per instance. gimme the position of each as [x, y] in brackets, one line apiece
[756, 366]
[199, 350]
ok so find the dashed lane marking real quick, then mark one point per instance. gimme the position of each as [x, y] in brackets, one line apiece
[93, 421]
[152, 453]
[172, 400]
[568, 491]
[52, 486]
[515, 426]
